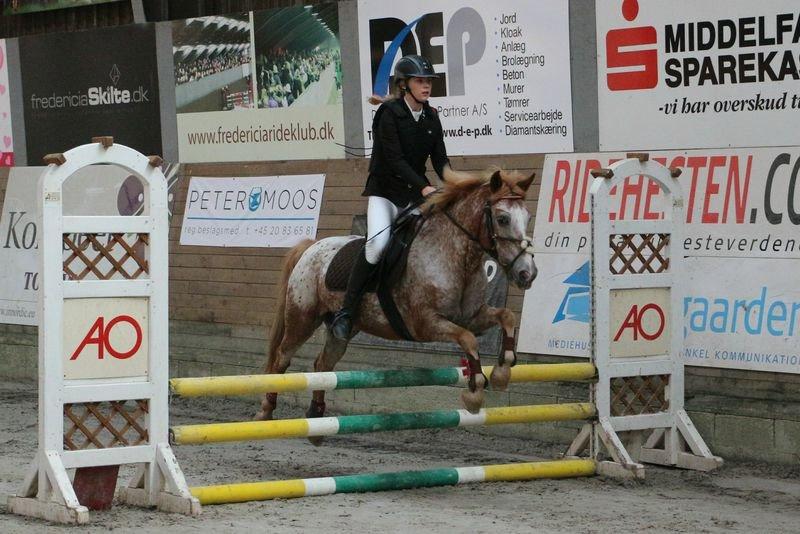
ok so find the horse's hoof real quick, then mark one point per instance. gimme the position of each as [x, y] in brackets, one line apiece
[500, 377]
[316, 440]
[472, 400]
[263, 415]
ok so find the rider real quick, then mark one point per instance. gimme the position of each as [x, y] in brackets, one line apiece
[406, 131]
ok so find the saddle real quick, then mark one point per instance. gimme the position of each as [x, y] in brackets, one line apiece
[389, 271]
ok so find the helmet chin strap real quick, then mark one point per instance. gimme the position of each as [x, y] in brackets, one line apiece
[408, 90]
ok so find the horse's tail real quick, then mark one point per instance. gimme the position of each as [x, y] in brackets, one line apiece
[278, 324]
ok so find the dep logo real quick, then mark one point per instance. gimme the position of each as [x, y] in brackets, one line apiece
[631, 54]
[391, 38]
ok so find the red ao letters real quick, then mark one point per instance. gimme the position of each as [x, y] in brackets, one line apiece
[639, 322]
[100, 335]
[105, 338]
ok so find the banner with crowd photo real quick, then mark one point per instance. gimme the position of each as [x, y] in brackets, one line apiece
[254, 211]
[113, 91]
[6, 139]
[95, 190]
[741, 243]
[697, 74]
[504, 66]
[264, 85]
[19, 7]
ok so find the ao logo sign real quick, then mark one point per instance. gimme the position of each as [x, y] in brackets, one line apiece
[106, 338]
[100, 334]
[465, 39]
[640, 322]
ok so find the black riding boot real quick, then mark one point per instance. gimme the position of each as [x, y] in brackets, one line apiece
[360, 276]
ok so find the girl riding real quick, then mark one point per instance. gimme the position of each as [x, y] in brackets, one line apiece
[406, 132]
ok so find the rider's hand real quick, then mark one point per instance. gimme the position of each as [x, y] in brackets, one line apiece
[427, 190]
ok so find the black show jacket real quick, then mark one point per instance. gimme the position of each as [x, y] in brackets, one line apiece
[400, 149]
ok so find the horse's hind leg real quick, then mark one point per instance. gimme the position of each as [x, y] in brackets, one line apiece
[293, 338]
[328, 358]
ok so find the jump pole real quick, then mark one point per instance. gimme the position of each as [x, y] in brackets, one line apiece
[287, 489]
[361, 424]
[215, 386]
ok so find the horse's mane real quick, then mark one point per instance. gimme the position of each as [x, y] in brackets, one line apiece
[460, 184]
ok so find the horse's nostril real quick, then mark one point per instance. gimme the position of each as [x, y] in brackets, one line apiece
[524, 276]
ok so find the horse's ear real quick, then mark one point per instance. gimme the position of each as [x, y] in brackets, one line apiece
[496, 182]
[526, 183]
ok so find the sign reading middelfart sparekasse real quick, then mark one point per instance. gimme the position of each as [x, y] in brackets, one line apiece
[688, 74]
[504, 67]
[742, 249]
[260, 211]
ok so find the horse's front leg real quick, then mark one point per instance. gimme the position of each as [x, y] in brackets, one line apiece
[486, 318]
[437, 328]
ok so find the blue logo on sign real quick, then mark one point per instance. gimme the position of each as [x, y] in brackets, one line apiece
[575, 306]
[255, 198]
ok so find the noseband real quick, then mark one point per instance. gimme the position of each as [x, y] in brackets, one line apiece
[525, 244]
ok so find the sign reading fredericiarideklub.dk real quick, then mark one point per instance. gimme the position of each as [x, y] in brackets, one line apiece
[741, 305]
[263, 211]
[504, 66]
[688, 74]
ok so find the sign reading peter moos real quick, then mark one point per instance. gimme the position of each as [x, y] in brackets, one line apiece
[84, 84]
[263, 211]
[504, 85]
[688, 74]
[741, 306]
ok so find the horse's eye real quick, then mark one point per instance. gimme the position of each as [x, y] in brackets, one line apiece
[503, 220]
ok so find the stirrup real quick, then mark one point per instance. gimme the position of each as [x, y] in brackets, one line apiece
[342, 325]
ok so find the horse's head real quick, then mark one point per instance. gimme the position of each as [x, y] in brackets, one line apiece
[506, 219]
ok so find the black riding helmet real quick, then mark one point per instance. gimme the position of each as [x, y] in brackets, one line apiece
[413, 66]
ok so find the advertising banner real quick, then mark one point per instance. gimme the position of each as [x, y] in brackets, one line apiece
[6, 140]
[504, 66]
[687, 74]
[94, 190]
[265, 85]
[18, 7]
[263, 211]
[67, 101]
[742, 208]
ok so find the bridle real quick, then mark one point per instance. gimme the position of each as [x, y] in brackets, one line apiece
[525, 244]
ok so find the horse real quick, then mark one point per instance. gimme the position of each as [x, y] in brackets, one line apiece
[441, 293]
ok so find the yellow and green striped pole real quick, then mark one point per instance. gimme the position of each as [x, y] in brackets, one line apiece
[287, 489]
[357, 424]
[327, 381]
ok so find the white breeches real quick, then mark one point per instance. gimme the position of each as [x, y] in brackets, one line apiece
[381, 213]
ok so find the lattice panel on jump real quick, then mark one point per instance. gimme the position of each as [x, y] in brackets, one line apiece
[639, 253]
[103, 425]
[106, 256]
[637, 395]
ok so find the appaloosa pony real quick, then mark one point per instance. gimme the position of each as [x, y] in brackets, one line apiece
[441, 294]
